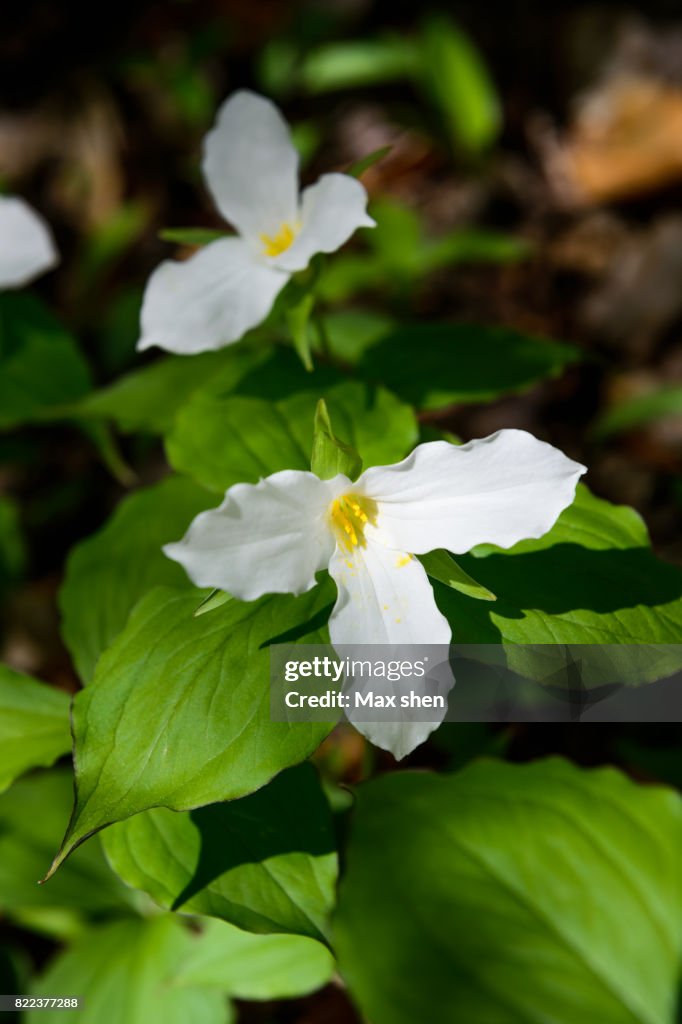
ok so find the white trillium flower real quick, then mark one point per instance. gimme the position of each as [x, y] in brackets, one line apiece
[251, 169]
[27, 249]
[274, 536]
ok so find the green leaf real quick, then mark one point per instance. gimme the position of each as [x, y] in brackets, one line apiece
[178, 714]
[223, 441]
[441, 364]
[216, 599]
[440, 565]
[255, 966]
[266, 863]
[639, 411]
[109, 572]
[458, 79]
[34, 725]
[331, 456]
[357, 169]
[125, 974]
[593, 579]
[40, 365]
[147, 400]
[349, 65]
[351, 331]
[32, 815]
[192, 236]
[298, 320]
[513, 893]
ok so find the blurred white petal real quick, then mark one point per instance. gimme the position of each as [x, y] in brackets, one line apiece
[331, 211]
[251, 167]
[27, 248]
[209, 300]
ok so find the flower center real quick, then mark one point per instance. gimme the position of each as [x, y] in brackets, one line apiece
[273, 245]
[349, 516]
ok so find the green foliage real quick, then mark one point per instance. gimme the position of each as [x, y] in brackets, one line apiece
[32, 816]
[191, 236]
[34, 725]
[12, 546]
[125, 974]
[40, 365]
[147, 400]
[255, 966]
[298, 320]
[178, 714]
[108, 573]
[330, 455]
[441, 364]
[359, 63]
[266, 863]
[441, 566]
[459, 82]
[513, 893]
[221, 441]
[640, 411]
[593, 579]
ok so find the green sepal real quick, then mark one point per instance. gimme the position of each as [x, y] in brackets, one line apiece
[330, 456]
[441, 566]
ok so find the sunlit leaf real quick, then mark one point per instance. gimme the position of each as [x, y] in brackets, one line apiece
[512, 893]
[266, 863]
[34, 725]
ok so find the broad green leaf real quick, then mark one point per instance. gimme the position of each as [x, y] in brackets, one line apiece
[357, 169]
[191, 236]
[40, 365]
[637, 412]
[147, 400]
[331, 456]
[266, 863]
[351, 331]
[109, 572]
[593, 579]
[361, 62]
[441, 566]
[125, 973]
[436, 365]
[223, 441]
[34, 725]
[178, 714]
[511, 894]
[455, 74]
[32, 815]
[255, 966]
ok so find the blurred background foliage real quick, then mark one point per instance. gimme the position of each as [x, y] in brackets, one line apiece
[531, 184]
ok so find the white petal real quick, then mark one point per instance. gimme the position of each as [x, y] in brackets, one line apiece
[498, 490]
[265, 538]
[26, 245]
[209, 300]
[251, 166]
[384, 597]
[331, 211]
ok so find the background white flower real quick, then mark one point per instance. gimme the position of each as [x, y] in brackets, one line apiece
[251, 169]
[272, 537]
[27, 248]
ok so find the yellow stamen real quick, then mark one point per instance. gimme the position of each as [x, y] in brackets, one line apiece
[349, 515]
[273, 245]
